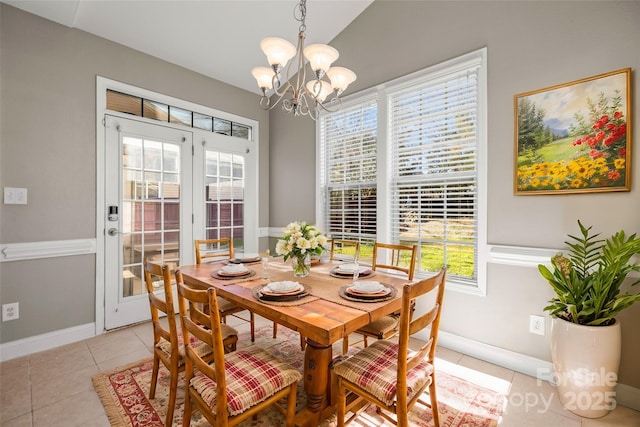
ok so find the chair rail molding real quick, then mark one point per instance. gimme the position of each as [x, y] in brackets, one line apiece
[48, 249]
[520, 255]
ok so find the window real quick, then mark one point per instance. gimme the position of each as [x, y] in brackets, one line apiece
[348, 160]
[421, 181]
[138, 106]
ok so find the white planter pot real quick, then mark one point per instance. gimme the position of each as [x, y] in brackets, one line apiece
[586, 361]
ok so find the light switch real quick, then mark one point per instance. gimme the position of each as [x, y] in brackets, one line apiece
[15, 196]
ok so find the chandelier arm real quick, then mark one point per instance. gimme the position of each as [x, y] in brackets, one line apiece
[334, 105]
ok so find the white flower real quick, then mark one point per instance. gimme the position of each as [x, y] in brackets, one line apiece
[299, 239]
[281, 247]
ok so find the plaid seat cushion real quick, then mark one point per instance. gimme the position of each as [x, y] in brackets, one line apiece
[380, 326]
[201, 348]
[374, 369]
[253, 374]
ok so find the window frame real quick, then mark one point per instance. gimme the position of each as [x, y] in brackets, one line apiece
[384, 162]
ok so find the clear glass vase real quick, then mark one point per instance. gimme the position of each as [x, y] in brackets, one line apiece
[301, 265]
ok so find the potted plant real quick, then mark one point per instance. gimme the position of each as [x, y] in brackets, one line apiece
[585, 335]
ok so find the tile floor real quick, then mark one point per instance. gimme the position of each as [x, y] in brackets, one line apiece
[53, 388]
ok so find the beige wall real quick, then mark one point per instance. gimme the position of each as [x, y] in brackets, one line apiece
[48, 145]
[531, 45]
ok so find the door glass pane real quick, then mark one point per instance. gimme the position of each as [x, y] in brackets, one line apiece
[150, 208]
[225, 183]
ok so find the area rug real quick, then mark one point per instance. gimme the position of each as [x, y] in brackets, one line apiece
[124, 394]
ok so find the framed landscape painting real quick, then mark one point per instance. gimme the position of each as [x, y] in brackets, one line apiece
[574, 137]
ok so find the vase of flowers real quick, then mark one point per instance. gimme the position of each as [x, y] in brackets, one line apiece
[300, 241]
[585, 335]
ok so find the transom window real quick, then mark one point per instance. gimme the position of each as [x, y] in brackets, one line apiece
[138, 106]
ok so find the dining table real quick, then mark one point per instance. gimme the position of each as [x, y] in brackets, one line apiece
[324, 313]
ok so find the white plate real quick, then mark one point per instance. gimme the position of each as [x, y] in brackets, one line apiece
[234, 269]
[351, 268]
[368, 286]
[247, 255]
[283, 287]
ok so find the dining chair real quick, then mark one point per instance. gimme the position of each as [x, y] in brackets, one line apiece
[390, 375]
[344, 250]
[387, 256]
[167, 340]
[220, 249]
[237, 385]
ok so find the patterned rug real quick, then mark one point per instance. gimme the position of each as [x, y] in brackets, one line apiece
[124, 392]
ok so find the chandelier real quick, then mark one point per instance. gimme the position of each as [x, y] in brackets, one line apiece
[299, 96]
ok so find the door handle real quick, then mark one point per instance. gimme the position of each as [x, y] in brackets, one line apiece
[113, 232]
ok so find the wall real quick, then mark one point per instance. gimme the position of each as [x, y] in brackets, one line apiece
[48, 145]
[531, 45]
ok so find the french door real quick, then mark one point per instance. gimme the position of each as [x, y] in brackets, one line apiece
[148, 218]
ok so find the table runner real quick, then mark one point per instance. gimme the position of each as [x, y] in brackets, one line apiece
[322, 285]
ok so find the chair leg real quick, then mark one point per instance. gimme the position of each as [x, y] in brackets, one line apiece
[345, 344]
[275, 329]
[173, 391]
[366, 344]
[291, 406]
[154, 377]
[186, 419]
[303, 342]
[253, 326]
[434, 402]
[341, 409]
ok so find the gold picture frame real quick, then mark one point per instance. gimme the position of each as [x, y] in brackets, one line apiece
[574, 137]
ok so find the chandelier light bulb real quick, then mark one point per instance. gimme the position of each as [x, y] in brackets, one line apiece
[320, 57]
[264, 77]
[319, 89]
[279, 51]
[341, 78]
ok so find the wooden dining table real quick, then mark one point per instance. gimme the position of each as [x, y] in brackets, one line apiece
[323, 316]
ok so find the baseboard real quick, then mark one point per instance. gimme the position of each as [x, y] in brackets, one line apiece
[625, 395]
[37, 343]
[628, 396]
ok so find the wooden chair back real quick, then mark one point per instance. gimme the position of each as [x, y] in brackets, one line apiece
[369, 377]
[343, 249]
[207, 328]
[170, 357]
[409, 325]
[161, 306]
[214, 248]
[390, 256]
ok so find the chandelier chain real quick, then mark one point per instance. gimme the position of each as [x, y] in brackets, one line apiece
[302, 8]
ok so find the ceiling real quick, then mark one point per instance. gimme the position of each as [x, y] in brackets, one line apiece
[217, 38]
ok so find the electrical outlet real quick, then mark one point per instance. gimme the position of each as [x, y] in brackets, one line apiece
[10, 311]
[536, 324]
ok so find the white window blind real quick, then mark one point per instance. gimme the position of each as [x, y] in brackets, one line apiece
[412, 169]
[348, 171]
[433, 189]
